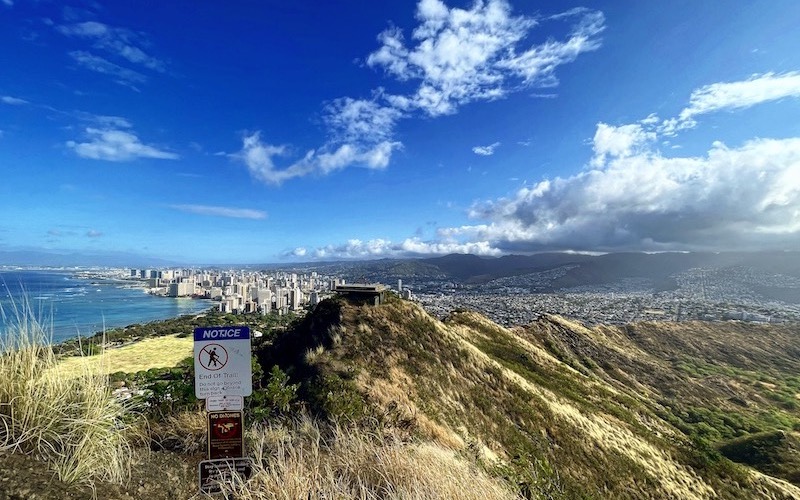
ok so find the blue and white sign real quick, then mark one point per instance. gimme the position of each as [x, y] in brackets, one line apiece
[222, 361]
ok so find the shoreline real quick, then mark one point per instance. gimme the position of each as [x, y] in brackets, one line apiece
[86, 303]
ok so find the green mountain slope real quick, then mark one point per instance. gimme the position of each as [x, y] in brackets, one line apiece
[556, 408]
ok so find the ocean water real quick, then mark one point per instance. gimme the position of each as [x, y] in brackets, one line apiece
[80, 306]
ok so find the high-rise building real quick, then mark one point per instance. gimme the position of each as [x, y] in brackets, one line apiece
[295, 298]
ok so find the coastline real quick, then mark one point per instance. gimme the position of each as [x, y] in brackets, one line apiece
[81, 302]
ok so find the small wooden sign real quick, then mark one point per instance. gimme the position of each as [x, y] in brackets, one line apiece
[225, 434]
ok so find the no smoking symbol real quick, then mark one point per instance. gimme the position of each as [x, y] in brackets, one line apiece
[213, 357]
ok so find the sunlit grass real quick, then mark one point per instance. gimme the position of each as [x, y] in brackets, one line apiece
[305, 460]
[157, 352]
[71, 422]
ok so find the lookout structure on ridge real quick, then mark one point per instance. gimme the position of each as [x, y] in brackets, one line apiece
[372, 294]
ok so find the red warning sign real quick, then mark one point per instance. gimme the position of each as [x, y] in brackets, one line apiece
[225, 434]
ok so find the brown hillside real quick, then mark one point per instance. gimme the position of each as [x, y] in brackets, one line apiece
[628, 412]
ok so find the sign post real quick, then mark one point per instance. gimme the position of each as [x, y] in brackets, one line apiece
[223, 377]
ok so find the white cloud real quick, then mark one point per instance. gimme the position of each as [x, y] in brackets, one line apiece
[216, 211]
[259, 158]
[13, 101]
[731, 199]
[618, 141]
[457, 56]
[87, 29]
[485, 150]
[377, 157]
[381, 248]
[730, 96]
[93, 233]
[460, 56]
[359, 120]
[105, 121]
[742, 94]
[116, 145]
[98, 64]
[120, 42]
[299, 252]
[112, 121]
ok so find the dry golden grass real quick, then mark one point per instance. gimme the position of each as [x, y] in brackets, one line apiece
[185, 432]
[159, 352]
[72, 423]
[675, 479]
[773, 488]
[304, 461]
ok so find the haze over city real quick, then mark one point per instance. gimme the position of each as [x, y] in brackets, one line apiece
[267, 132]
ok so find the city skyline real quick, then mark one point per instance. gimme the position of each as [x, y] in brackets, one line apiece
[277, 133]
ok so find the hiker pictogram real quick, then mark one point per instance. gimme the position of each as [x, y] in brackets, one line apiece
[213, 357]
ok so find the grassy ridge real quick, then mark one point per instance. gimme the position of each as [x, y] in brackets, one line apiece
[555, 406]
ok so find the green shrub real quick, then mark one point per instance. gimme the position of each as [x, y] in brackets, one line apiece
[276, 398]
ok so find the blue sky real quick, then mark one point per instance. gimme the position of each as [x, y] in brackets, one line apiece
[291, 131]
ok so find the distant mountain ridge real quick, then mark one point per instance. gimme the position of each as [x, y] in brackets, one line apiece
[595, 269]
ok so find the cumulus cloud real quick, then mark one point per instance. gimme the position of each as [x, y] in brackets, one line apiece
[216, 211]
[632, 197]
[116, 145]
[259, 157]
[13, 101]
[618, 141]
[730, 199]
[485, 150]
[459, 56]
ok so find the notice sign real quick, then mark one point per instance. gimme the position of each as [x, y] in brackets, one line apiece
[225, 434]
[215, 472]
[222, 361]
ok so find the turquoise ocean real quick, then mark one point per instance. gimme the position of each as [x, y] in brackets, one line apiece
[80, 306]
